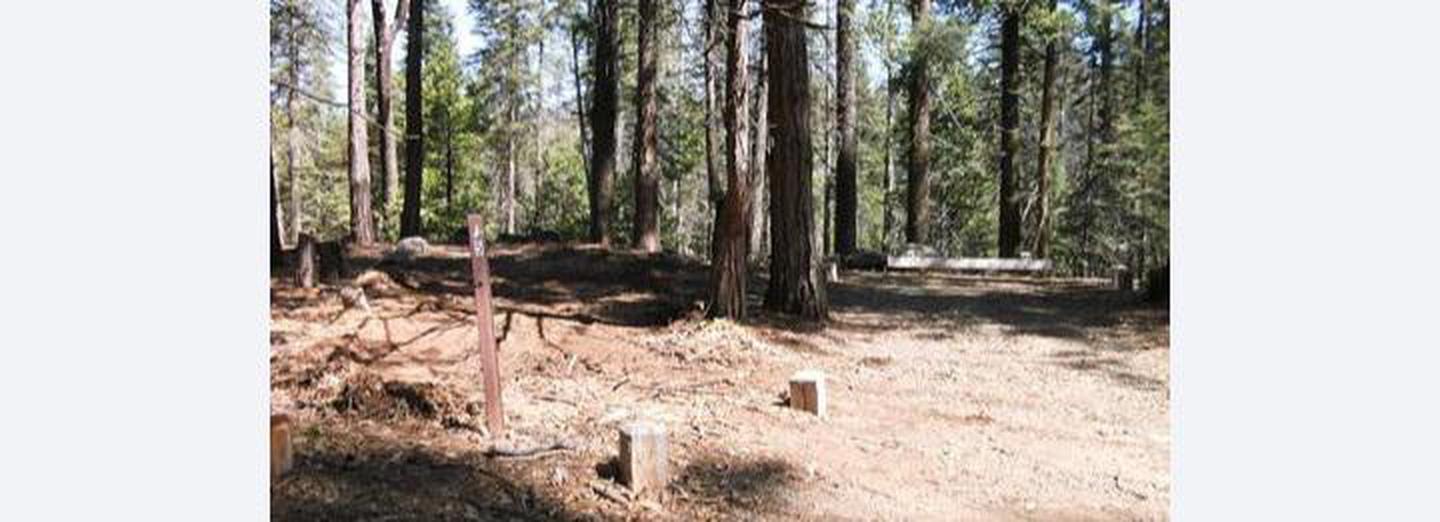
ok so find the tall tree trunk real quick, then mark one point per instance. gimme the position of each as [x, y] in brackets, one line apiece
[384, 93]
[1009, 131]
[541, 166]
[846, 197]
[917, 193]
[579, 97]
[602, 118]
[796, 285]
[727, 270]
[647, 190]
[414, 121]
[1047, 147]
[362, 221]
[1105, 47]
[292, 147]
[888, 196]
[715, 193]
[1142, 50]
[759, 235]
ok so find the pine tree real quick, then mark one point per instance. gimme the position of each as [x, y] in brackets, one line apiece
[728, 272]
[414, 119]
[603, 112]
[362, 221]
[796, 285]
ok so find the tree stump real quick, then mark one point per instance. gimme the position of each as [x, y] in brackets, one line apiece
[305, 262]
[807, 391]
[644, 457]
[282, 453]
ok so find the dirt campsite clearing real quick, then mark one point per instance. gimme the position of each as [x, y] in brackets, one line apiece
[950, 397]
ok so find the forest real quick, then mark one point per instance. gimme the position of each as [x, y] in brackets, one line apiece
[988, 128]
[855, 259]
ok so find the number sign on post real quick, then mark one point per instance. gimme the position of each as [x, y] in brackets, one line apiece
[485, 322]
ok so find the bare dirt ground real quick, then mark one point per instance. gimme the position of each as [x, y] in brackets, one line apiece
[951, 397]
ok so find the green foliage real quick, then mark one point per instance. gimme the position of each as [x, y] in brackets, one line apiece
[1109, 195]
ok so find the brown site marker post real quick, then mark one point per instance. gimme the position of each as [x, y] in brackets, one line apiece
[485, 322]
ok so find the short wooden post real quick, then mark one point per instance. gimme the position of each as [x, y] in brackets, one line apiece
[807, 391]
[305, 262]
[644, 457]
[282, 452]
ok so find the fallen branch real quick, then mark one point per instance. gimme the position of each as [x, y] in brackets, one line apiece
[691, 386]
[501, 452]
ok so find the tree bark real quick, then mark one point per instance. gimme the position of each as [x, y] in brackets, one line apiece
[276, 247]
[602, 118]
[917, 208]
[1047, 147]
[728, 276]
[715, 193]
[414, 120]
[888, 196]
[796, 283]
[292, 147]
[846, 198]
[1142, 51]
[384, 93]
[579, 97]
[1009, 131]
[759, 234]
[1104, 42]
[647, 190]
[362, 224]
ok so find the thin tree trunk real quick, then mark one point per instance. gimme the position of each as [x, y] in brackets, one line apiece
[292, 136]
[888, 196]
[846, 197]
[602, 118]
[646, 224]
[579, 97]
[917, 208]
[362, 225]
[715, 193]
[384, 93]
[542, 166]
[1047, 147]
[1009, 131]
[449, 169]
[728, 276]
[796, 285]
[410, 224]
[1142, 50]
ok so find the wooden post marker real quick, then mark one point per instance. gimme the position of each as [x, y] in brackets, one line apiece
[282, 453]
[644, 457]
[807, 391]
[485, 322]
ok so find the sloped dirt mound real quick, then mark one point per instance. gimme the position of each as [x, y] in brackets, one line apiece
[717, 342]
[367, 395]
